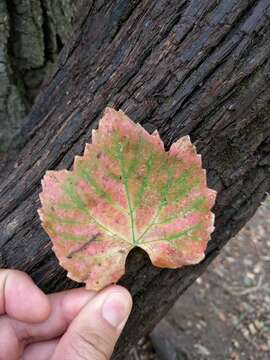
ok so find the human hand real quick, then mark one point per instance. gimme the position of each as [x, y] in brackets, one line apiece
[71, 325]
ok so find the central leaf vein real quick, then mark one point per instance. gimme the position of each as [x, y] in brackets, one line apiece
[125, 180]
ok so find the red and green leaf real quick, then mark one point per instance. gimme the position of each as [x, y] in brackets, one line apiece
[127, 191]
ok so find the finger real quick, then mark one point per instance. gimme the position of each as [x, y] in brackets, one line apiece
[65, 306]
[94, 332]
[10, 347]
[40, 351]
[21, 299]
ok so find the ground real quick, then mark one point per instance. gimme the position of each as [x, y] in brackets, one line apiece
[226, 313]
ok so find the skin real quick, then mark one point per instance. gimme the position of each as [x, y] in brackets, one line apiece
[76, 324]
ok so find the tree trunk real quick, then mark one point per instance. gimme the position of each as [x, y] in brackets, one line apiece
[31, 34]
[184, 67]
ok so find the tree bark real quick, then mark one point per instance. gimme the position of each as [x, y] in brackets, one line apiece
[32, 32]
[184, 67]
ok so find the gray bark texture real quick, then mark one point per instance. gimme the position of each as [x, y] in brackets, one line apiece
[182, 66]
[32, 32]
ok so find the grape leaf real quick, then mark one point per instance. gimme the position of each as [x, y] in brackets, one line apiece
[127, 191]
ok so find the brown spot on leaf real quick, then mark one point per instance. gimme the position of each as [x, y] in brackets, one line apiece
[83, 246]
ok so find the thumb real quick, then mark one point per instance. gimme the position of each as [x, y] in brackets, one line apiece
[94, 332]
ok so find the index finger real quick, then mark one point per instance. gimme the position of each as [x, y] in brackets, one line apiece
[21, 299]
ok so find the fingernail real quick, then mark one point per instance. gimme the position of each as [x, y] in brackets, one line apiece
[116, 309]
